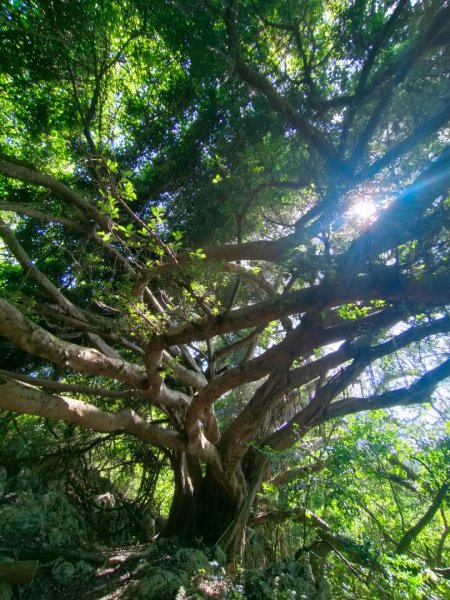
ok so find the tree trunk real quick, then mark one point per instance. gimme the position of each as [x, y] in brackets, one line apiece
[201, 508]
[204, 511]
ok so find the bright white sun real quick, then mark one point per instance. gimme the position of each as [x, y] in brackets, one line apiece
[363, 210]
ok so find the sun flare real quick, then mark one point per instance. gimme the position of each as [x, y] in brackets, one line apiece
[363, 210]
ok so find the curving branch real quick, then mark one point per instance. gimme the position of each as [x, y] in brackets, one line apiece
[403, 220]
[297, 473]
[384, 283]
[362, 355]
[83, 227]
[34, 213]
[16, 169]
[23, 398]
[417, 393]
[415, 530]
[34, 273]
[420, 134]
[75, 388]
[34, 339]
[276, 360]
[105, 332]
[26, 399]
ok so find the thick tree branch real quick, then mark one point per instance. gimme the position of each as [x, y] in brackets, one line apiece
[26, 399]
[362, 355]
[277, 359]
[23, 398]
[83, 326]
[75, 388]
[418, 393]
[418, 136]
[385, 284]
[396, 462]
[398, 480]
[36, 340]
[398, 223]
[351, 350]
[34, 213]
[17, 170]
[189, 377]
[83, 228]
[241, 343]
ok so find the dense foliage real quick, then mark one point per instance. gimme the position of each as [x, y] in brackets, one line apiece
[224, 239]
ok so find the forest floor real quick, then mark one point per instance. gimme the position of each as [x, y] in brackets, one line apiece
[162, 571]
[107, 582]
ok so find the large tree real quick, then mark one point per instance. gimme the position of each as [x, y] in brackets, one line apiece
[217, 218]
